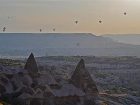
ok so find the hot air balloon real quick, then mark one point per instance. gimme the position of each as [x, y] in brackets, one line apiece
[76, 22]
[100, 21]
[124, 13]
[4, 29]
[53, 29]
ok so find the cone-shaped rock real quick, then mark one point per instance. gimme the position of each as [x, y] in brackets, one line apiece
[31, 65]
[81, 78]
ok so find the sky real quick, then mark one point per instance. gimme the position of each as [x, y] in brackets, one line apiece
[33, 15]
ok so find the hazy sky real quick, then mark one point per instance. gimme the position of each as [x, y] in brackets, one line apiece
[31, 15]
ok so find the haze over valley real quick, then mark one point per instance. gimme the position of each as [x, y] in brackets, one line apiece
[63, 44]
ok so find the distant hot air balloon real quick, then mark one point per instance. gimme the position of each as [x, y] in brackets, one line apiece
[4, 29]
[100, 21]
[124, 13]
[76, 22]
[53, 29]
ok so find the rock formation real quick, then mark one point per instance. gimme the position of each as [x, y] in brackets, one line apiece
[31, 66]
[81, 78]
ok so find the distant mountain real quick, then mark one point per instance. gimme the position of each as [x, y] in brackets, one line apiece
[63, 44]
[125, 38]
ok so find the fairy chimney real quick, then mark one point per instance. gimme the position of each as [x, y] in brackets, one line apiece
[31, 66]
[82, 79]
